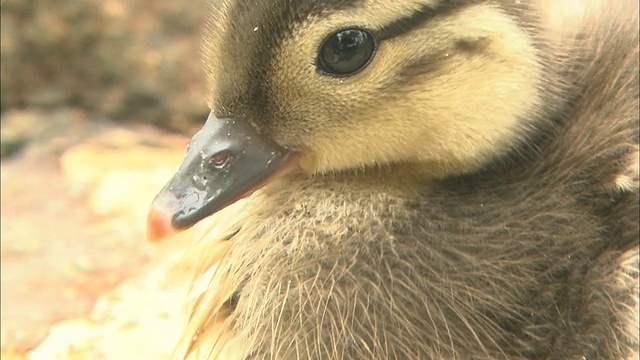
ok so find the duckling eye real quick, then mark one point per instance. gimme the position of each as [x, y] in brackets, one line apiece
[346, 52]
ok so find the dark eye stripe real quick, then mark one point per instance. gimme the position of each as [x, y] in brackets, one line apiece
[420, 16]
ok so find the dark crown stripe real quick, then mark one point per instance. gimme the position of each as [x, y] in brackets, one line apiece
[420, 16]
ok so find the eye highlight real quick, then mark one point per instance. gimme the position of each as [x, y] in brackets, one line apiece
[346, 52]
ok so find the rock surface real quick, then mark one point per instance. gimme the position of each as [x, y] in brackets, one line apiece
[77, 272]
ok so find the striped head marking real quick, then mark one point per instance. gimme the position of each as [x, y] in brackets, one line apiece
[358, 83]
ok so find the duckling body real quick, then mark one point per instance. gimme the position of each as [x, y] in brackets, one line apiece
[493, 216]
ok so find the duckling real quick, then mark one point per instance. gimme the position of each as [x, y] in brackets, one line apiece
[423, 179]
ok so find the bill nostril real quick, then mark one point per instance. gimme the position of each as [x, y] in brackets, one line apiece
[199, 182]
[220, 160]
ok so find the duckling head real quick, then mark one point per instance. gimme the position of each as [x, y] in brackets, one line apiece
[438, 86]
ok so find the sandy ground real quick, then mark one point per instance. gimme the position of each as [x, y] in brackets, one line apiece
[79, 281]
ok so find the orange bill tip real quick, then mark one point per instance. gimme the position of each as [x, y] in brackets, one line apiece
[159, 227]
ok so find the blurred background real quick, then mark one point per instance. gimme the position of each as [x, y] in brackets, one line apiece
[99, 98]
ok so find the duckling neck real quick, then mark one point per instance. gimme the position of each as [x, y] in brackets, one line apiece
[301, 236]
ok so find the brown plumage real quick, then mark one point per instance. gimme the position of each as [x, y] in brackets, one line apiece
[472, 193]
